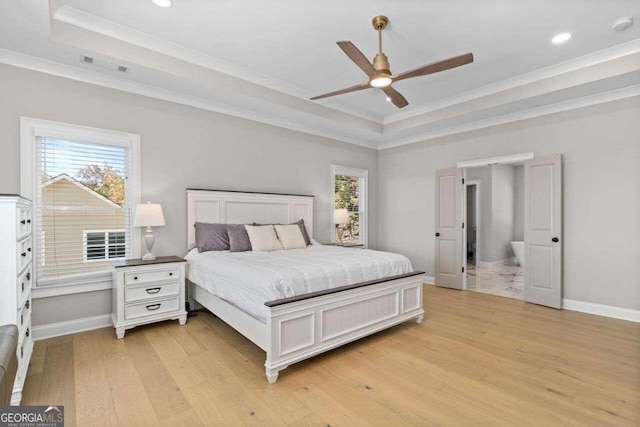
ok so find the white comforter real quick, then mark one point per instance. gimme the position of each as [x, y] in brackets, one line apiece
[249, 279]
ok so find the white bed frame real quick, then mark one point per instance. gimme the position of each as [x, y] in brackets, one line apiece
[302, 327]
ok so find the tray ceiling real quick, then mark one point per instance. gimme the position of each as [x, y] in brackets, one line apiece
[263, 60]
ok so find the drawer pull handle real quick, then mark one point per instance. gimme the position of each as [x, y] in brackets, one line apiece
[153, 307]
[153, 290]
[22, 286]
[21, 352]
[28, 304]
[27, 334]
[28, 276]
[170, 274]
[23, 222]
[21, 319]
[28, 221]
[28, 249]
[23, 254]
[135, 277]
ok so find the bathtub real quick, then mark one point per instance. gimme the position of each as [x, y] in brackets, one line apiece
[518, 249]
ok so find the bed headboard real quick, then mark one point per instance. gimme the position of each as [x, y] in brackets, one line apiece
[231, 207]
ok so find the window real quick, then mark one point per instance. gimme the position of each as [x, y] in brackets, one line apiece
[104, 244]
[83, 183]
[350, 192]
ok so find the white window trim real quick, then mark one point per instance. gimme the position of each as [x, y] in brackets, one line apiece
[106, 244]
[30, 129]
[363, 197]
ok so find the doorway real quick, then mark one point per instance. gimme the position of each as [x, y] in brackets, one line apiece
[496, 270]
[539, 246]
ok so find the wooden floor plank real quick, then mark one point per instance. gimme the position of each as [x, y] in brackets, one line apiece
[476, 360]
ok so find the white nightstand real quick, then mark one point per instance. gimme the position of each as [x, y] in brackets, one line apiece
[147, 291]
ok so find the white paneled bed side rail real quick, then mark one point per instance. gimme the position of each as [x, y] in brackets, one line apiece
[300, 327]
[230, 207]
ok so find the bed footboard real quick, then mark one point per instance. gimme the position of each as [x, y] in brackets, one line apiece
[302, 327]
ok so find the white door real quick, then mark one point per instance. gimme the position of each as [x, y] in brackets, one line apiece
[543, 231]
[449, 205]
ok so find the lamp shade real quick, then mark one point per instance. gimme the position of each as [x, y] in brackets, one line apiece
[340, 216]
[148, 215]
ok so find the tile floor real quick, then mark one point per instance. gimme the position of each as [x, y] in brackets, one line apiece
[505, 280]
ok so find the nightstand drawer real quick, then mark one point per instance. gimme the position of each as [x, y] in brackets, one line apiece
[135, 311]
[132, 294]
[155, 275]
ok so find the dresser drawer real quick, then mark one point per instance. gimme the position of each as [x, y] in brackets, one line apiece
[156, 275]
[24, 315]
[24, 252]
[132, 294]
[135, 311]
[24, 221]
[24, 285]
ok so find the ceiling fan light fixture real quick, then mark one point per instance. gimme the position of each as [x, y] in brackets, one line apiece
[380, 81]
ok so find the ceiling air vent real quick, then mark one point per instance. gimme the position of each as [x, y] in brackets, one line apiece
[102, 63]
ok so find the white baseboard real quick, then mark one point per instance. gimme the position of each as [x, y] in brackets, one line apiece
[602, 310]
[52, 330]
[492, 264]
[428, 280]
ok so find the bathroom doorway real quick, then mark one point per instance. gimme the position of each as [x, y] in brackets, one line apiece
[542, 224]
[494, 229]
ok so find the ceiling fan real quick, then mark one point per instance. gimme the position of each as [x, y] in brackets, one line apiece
[379, 72]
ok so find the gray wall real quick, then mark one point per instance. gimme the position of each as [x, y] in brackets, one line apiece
[497, 210]
[502, 213]
[484, 232]
[180, 147]
[518, 203]
[601, 157]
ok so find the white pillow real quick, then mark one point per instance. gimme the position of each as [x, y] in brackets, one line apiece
[290, 236]
[263, 238]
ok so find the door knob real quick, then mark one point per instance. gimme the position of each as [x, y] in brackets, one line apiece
[555, 240]
[437, 234]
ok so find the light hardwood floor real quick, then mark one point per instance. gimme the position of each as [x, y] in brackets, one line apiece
[475, 360]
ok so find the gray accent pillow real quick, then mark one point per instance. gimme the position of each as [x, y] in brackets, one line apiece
[303, 228]
[212, 237]
[305, 234]
[238, 238]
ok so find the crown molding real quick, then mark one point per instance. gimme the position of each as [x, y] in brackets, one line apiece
[575, 64]
[90, 22]
[21, 60]
[614, 95]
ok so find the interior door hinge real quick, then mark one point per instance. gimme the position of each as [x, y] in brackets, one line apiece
[463, 269]
[463, 225]
[463, 180]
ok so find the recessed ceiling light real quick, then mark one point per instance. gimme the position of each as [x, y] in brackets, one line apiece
[560, 38]
[163, 3]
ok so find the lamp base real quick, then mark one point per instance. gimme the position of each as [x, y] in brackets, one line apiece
[149, 240]
[148, 257]
[340, 234]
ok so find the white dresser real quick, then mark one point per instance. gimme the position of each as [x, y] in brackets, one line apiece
[16, 276]
[147, 291]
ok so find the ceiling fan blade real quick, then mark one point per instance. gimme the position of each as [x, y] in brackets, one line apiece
[436, 67]
[396, 97]
[341, 91]
[357, 57]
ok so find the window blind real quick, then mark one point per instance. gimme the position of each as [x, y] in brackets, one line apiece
[82, 212]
